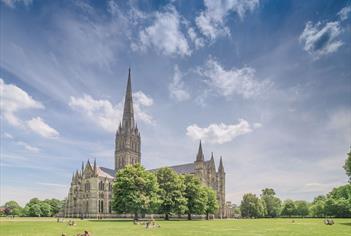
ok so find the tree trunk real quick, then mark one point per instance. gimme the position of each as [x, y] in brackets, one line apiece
[136, 216]
[166, 216]
[207, 216]
[189, 216]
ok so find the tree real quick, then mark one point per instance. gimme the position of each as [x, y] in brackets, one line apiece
[45, 209]
[317, 207]
[35, 210]
[195, 195]
[135, 191]
[171, 189]
[289, 208]
[251, 206]
[55, 204]
[301, 208]
[347, 166]
[272, 203]
[12, 208]
[211, 203]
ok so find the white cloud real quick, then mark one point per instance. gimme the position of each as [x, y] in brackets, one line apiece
[107, 115]
[321, 40]
[257, 125]
[219, 133]
[28, 147]
[7, 135]
[176, 88]
[164, 35]
[211, 22]
[198, 41]
[344, 13]
[39, 126]
[234, 81]
[14, 99]
[12, 3]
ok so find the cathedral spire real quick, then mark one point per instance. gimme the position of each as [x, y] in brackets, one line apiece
[221, 168]
[200, 154]
[128, 113]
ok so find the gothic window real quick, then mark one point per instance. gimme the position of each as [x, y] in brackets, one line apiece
[109, 187]
[109, 207]
[101, 186]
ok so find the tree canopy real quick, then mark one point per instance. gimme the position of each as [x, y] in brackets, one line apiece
[196, 196]
[251, 206]
[271, 202]
[171, 192]
[135, 190]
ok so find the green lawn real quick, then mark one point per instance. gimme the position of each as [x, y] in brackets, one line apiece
[269, 227]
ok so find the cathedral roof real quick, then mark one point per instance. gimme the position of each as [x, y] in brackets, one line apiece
[106, 172]
[181, 169]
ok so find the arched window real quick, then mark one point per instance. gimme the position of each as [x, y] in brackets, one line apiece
[101, 186]
[109, 207]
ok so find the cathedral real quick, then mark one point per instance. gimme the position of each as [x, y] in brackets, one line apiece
[90, 192]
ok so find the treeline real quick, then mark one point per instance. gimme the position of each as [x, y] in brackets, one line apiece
[34, 207]
[138, 191]
[337, 203]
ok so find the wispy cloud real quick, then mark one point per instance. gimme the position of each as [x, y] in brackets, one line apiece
[241, 81]
[39, 126]
[344, 13]
[219, 133]
[13, 3]
[14, 99]
[164, 35]
[321, 40]
[28, 147]
[211, 22]
[176, 87]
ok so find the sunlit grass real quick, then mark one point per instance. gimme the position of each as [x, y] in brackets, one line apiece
[269, 227]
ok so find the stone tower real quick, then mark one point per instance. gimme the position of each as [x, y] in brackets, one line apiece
[127, 150]
[200, 164]
[221, 188]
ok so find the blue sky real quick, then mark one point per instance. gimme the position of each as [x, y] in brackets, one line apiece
[265, 84]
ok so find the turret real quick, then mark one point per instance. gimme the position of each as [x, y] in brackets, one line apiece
[200, 154]
[220, 167]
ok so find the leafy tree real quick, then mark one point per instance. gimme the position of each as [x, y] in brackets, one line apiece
[45, 209]
[211, 203]
[317, 207]
[171, 189]
[341, 192]
[35, 210]
[272, 203]
[55, 204]
[289, 208]
[347, 166]
[12, 208]
[135, 191]
[302, 208]
[251, 206]
[195, 195]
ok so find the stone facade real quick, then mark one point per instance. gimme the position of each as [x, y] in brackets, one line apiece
[90, 193]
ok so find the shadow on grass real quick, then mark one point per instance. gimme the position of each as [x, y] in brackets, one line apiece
[348, 224]
[131, 220]
[116, 220]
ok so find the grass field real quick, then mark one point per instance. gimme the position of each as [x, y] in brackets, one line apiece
[269, 227]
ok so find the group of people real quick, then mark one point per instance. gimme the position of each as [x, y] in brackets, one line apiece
[86, 233]
[148, 224]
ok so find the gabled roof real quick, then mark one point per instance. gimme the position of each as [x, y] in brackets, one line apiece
[181, 169]
[106, 172]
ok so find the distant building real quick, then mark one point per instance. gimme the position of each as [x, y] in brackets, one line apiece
[90, 193]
